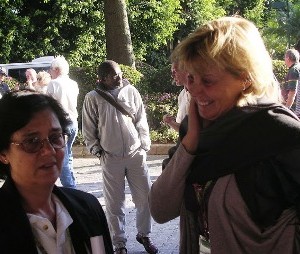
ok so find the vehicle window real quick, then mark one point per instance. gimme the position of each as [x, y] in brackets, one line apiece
[19, 74]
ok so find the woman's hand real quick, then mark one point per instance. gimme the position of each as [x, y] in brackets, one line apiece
[191, 139]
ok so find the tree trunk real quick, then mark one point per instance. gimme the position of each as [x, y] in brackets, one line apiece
[117, 33]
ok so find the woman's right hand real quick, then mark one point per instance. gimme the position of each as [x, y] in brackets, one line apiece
[191, 139]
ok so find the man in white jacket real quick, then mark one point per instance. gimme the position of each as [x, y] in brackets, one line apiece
[121, 143]
[65, 90]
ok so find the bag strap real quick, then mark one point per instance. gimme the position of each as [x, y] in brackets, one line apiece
[109, 98]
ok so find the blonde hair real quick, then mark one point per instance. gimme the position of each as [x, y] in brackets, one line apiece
[233, 44]
[43, 78]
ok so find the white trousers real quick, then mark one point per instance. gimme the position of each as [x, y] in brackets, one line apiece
[135, 170]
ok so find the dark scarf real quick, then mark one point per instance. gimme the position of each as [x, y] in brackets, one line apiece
[241, 138]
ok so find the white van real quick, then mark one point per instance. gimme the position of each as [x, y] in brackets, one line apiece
[17, 70]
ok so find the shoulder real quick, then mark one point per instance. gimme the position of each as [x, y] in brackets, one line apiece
[130, 90]
[78, 198]
[294, 70]
[92, 96]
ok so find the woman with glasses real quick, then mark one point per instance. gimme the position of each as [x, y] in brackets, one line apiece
[36, 216]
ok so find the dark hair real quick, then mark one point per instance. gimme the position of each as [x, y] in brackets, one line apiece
[18, 108]
[106, 67]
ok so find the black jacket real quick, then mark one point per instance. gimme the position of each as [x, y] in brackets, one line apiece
[15, 231]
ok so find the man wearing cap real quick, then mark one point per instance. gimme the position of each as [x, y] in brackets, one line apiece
[3, 86]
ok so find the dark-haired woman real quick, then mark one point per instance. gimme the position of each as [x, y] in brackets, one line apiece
[36, 216]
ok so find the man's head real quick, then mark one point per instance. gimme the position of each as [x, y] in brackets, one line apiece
[291, 57]
[178, 75]
[31, 75]
[110, 74]
[59, 66]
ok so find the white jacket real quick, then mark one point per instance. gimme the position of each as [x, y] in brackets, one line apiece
[106, 128]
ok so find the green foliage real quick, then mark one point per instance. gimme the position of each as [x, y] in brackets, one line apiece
[280, 70]
[11, 82]
[86, 79]
[156, 80]
[131, 74]
[158, 104]
[32, 28]
[256, 13]
[152, 23]
[282, 27]
[164, 136]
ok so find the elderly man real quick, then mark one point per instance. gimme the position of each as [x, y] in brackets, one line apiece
[291, 81]
[66, 91]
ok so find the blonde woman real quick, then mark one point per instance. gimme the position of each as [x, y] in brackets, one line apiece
[234, 179]
[43, 78]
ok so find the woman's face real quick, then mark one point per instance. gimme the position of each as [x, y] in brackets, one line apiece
[42, 167]
[215, 91]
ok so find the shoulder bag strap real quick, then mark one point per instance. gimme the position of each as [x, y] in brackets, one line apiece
[109, 98]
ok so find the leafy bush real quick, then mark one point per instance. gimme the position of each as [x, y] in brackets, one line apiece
[164, 135]
[280, 70]
[11, 82]
[156, 80]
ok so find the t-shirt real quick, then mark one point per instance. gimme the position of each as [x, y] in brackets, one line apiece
[183, 105]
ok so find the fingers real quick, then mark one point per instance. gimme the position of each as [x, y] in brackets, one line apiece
[191, 140]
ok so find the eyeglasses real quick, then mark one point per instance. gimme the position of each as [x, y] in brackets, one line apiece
[35, 144]
[117, 75]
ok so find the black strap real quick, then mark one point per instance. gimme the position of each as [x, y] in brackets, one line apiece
[109, 98]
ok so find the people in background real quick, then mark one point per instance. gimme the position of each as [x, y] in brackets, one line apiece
[4, 88]
[30, 79]
[291, 81]
[43, 78]
[179, 78]
[65, 91]
[36, 215]
[234, 179]
[120, 140]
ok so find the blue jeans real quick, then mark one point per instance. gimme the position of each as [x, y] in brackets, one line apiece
[67, 178]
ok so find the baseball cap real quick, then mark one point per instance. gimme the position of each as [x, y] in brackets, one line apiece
[3, 71]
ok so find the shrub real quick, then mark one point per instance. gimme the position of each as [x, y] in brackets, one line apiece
[156, 80]
[11, 82]
[280, 70]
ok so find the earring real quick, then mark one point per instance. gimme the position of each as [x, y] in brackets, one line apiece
[246, 84]
[5, 161]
